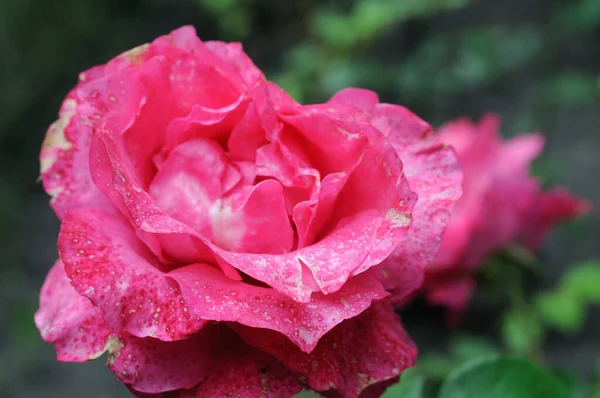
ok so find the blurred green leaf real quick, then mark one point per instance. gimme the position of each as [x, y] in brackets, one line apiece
[577, 16]
[573, 383]
[521, 331]
[583, 282]
[547, 170]
[595, 388]
[465, 60]
[308, 394]
[465, 348]
[22, 332]
[368, 18]
[564, 308]
[435, 366]
[410, 386]
[568, 88]
[234, 17]
[502, 377]
[560, 311]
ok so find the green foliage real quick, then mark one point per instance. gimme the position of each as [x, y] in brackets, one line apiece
[583, 282]
[577, 16]
[411, 385]
[234, 17]
[489, 376]
[574, 384]
[368, 18]
[502, 377]
[564, 308]
[308, 394]
[547, 170]
[466, 60]
[464, 348]
[332, 55]
[461, 349]
[560, 311]
[568, 88]
[522, 331]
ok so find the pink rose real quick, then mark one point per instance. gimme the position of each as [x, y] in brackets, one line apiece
[501, 204]
[220, 239]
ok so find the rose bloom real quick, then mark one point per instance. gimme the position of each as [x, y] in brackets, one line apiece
[219, 239]
[501, 204]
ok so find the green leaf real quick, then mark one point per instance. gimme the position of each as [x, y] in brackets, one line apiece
[307, 394]
[568, 88]
[435, 366]
[577, 16]
[465, 348]
[521, 331]
[410, 386]
[369, 18]
[573, 383]
[582, 282]
[502, 377]
[560, 311]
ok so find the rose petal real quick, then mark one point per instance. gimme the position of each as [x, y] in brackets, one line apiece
[245, 225]
[109, 265]
[358, 353]
[293, 171]
[245, 372]
[152, 366]
[69, 320]
[234, 54]
[309, 127]
[310, 216]
[190, 182]
[552, 207]
[245, 139]
[371, 165]
[204, 122]
[364, 100]
[211, 295]
[64, 161]
[433, 173]
[451, 291]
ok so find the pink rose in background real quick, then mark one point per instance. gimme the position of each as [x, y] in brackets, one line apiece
[501, 204]
[220, 239]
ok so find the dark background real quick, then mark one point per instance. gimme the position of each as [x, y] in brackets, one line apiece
[535, 62]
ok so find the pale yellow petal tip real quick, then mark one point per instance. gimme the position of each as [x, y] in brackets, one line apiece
[113, 346]
[55, 137]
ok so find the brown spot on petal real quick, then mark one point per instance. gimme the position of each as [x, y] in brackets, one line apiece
[397, 218]
[55, 137]
[135, 54]
[113, 346]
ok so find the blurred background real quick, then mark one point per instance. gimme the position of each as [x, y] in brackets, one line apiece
[535, 62]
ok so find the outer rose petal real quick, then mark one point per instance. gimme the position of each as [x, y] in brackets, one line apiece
[451, 291]
[64, 161]
[211, 295]
[362, 99]
[501, 204]
[433, 173]
[69, 320]
[247, 373]
[152, 366]
[109, 265]
[358, 353]
[366, 227]
[552, 207]
[234, 53]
